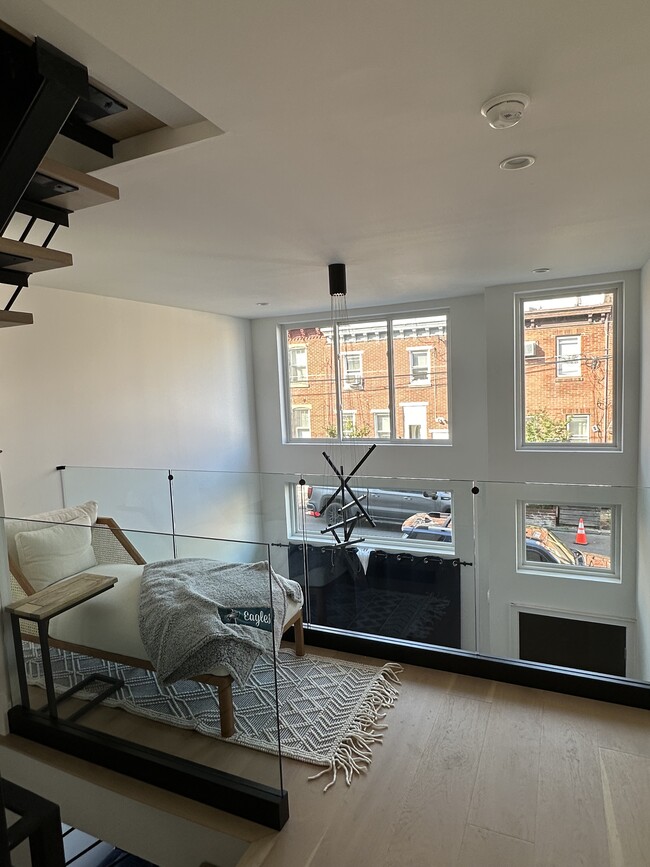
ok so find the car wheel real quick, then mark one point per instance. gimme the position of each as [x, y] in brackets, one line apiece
[332, 514]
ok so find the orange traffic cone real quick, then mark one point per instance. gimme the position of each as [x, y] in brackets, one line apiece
[581, 536]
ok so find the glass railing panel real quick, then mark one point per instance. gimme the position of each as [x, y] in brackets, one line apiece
[226, 505]
[497, 568]
[558, 575]
[136, 498]
[216, 602]
[391, 558]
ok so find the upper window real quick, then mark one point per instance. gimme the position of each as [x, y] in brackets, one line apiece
[298, 365]
[569, 368]
[352, 370]
[420, 363]
[568, 356]
[392, 362]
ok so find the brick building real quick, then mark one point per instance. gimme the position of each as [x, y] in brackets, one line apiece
[417, 379]
[569, 367]
[568, 373]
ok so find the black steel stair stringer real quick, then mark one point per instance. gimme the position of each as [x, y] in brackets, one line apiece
[62, 82]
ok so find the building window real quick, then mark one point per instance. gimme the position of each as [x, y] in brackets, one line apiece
[420, 364]
[352, 370]
[301, 422]
[573, 539]
[348, 420]
[382, 424]
[298, 365]
[568, 355]
[578, 428]
[356, 365]
[569, 369]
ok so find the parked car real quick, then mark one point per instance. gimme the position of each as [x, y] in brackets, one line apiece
[384, 505]
[542, 546]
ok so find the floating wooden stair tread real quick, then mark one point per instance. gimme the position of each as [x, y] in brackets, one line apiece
[9, 318]
[88, 191]
[17, 256]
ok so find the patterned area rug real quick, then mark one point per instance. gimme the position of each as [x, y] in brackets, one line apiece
[330, 709]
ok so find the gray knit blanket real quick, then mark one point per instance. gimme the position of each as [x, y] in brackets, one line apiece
[197, 614]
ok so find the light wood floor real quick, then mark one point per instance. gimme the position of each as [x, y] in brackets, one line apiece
[471, 773]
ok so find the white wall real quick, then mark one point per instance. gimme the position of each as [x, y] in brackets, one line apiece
[105, 382]
[482, 365]
[509, 587]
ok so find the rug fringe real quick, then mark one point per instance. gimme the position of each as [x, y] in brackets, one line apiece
[354, 753]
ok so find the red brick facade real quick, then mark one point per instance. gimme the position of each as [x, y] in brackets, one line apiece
[569, 375]
[581, 389]
[419, 375]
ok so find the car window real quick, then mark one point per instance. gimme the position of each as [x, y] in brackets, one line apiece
[533, 555]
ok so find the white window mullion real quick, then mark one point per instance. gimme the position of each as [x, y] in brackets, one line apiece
[391, 380]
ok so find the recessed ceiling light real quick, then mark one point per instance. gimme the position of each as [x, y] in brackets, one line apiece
[519, 162]
[541, 270]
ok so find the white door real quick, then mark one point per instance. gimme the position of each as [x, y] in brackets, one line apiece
[415, 421]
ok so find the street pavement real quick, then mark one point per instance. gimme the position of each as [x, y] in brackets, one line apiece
[598, 542]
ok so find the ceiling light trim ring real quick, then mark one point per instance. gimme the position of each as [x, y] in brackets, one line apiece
[520, 161]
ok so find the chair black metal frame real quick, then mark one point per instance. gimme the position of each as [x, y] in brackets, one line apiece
[39, 822]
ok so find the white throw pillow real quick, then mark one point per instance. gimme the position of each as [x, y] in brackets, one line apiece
[47, 555]
[13, 526]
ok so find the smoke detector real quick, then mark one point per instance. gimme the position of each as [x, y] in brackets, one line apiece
[506, 110]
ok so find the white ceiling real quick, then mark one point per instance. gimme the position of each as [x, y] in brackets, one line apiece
[353, 134]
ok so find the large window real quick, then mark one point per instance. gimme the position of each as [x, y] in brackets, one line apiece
[397, 363]
[568, 368]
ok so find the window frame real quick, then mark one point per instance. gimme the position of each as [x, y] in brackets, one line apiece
[296, 382]
[575, 359]
[300, 408]
[420, 350]
[581, 415]
[380, 413]
[321, 322]
[594, 574]
[348, 415]
[617, 353]
[351, 381]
